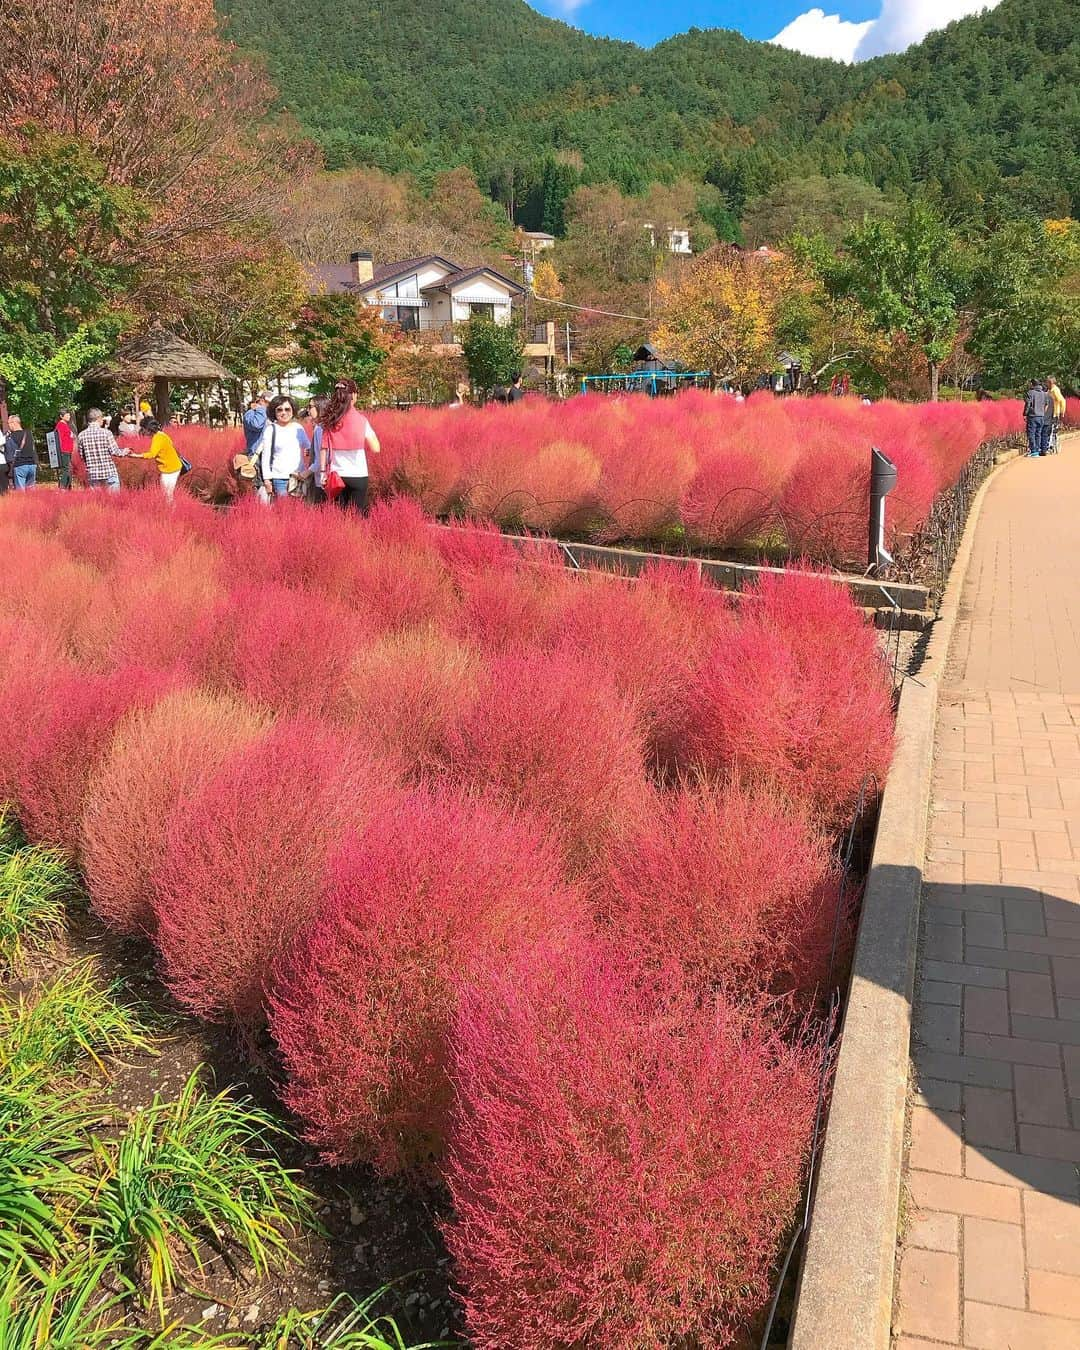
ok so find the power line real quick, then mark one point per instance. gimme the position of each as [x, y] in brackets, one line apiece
[588, 309]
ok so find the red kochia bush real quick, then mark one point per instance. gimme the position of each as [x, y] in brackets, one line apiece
[552, 736]
[67, 733]
[230, 894]
[624, 1160]
[797, 698]
[159, 757]
[363, 1003]
[734, 886]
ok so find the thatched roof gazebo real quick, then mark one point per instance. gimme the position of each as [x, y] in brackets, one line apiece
[157, 358]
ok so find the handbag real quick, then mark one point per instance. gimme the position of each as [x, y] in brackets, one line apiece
[185, 465]
[334, 484]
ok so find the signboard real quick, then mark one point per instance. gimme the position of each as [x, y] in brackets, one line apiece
[52, 444]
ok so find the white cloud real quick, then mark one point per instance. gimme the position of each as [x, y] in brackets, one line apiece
[900, 23]
[819, 34]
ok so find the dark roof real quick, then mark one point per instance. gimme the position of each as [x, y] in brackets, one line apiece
[338, 277]
[457, 277]
[334, 277]
[647, 352]
[159, 354]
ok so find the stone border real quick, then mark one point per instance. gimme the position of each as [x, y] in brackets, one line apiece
[845, 1295]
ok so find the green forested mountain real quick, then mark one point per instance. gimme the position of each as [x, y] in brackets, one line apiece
[986, 111]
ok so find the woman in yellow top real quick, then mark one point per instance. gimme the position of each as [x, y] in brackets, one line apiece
[163, 452]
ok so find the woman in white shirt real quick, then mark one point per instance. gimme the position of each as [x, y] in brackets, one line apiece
[284, 447]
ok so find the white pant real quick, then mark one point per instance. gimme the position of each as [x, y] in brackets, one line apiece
[168, 483]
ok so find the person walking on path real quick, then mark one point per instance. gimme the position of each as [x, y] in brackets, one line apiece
[347, 436]
[65, 448]
[20, 454]
[162, 451]
[1037, 406]
[99, 451]
[3, 467]
[1058, 406]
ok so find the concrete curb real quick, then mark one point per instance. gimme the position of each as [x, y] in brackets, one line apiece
[845, 1295]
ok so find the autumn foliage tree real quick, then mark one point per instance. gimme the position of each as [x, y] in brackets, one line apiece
[340, 335]
[166, 106]
[725, 313]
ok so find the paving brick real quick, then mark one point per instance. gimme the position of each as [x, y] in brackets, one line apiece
[989, 1118]
[936, 991]
[1024, 916]
[1071, 1056]
[940, 1095]
[1069, 1009]
[984, 930]
[987, 1327]
[1052, 1233]
[1046, 946]
[917, 1343]
[935, 1231]
[1056, 1294]
[1048, 1142]
[957, 973]
[944, 942]
[1011, 1049]
[938, 1028]
[935, 1141]
[1040, 1096]
[994, 1263]
[959, 1195]
[962, 1069]
[1030, 995]
[1023, 1171]
[929, 1294]
[1066, 976]
[1054, 1030]
[943, 914]
[985, 1010]
[1012, 959]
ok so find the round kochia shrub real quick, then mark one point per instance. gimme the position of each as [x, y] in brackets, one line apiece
[436, 886]
[159, 758]
[796, 698]
[735, 886]
[230, 895]
[625, 1158]
[67, 732]
[552, 736]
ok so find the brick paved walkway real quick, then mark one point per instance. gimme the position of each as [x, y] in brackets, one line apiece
[992, 1253]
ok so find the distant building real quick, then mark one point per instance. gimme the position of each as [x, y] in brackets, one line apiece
[536, 241]
[429, 293]
[674, 239]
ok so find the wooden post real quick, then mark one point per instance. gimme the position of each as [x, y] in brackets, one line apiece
[161, 399]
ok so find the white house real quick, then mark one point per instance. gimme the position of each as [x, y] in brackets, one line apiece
[675, 240]
[426, 293]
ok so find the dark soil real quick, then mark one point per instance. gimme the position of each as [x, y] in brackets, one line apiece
[376, 1231]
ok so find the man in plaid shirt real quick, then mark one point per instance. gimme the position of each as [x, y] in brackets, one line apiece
[97, 445]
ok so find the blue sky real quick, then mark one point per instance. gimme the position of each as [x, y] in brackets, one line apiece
[847, 30]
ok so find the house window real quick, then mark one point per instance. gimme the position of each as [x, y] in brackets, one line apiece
[407, 317]
[482, 312]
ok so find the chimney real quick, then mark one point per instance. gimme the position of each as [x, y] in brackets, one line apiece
[365, 267]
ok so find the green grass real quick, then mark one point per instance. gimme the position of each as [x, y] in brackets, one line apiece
[33, 884]
[345, 1325]
[190, 1174]
[60, 1025]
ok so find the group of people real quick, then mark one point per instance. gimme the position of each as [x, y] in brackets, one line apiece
[1044, 412]
[96, 445]
[321, 458]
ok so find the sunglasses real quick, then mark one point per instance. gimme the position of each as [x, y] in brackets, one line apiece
[283, 409]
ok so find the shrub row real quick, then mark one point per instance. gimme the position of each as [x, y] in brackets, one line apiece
[789, 475]
[529, 874]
